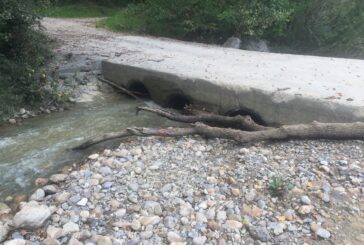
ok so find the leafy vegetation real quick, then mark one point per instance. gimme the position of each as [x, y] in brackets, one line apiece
[80, 10]
[278, 187]
[23, 54]
[204, 20]
[333, 27]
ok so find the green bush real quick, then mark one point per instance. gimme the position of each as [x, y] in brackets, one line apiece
[334, 27]
[23, 52]
[205, 20]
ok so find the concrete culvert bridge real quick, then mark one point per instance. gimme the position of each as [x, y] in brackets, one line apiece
[243, 112]
[139, 89]
[177, 101]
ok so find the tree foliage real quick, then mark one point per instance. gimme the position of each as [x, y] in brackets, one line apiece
[209, 20]
[23, 52]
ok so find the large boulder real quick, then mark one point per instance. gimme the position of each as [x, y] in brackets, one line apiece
[254, 44]
[232, 42]
[32, 215]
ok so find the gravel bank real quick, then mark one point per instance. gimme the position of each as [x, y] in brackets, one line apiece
[193, 191]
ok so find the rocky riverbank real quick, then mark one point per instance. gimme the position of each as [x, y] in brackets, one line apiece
[196, 191]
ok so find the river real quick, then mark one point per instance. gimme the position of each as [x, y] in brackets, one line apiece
[41, 145]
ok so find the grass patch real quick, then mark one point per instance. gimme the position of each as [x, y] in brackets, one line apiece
[126, 20]
[88, 10]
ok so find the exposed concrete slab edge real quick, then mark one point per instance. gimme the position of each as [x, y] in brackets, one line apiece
[273, 108]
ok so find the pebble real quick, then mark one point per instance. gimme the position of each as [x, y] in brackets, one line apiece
[57, 178]
[201, 240]
[173, 237]
[324, 234]
[32, 215]
[305, 200]
[158, 194]
[70, 228]
[82, 202]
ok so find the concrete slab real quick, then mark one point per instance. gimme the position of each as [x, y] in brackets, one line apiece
[280, 88]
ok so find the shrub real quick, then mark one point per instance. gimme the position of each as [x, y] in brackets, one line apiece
[332, 27]
[207, 20]
[23, 52]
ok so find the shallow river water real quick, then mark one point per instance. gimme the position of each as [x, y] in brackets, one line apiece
[41, 146]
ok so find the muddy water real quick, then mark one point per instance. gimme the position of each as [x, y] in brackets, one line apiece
[40, 146]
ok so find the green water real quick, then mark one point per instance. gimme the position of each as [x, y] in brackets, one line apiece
[40, 146]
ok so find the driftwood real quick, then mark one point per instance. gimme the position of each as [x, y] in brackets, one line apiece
[315, 130]
[238, 122]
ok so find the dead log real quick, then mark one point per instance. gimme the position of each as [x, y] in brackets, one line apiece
[142, 132]
[238, 122]
[315, 130]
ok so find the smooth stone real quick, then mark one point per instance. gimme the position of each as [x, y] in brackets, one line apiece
[93, 156]
[51, 241]
[305, 209]
[278, 229]
[136, 225]
[74, 241]
[146, 234]
[57, 178]
[82, 202]
[173, 237]
[15, 242]
[54, 232]
[62, 197]
[233, 224]
[4, 230]
[38, 195]
[104, 240]
[4, 209]
[201, 240]
[50, 189]
[152, 220]
[305, 200]
[259, 233]
[324, 234]
[69, 228]
[32, 215]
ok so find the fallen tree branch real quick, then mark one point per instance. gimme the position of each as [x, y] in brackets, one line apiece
[142, 132]
[124, 90]
[315, 130]
[239, 122]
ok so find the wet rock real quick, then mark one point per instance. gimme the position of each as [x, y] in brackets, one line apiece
[50, 189]
[57, 178]
[232, 42]
[32, 215]
[4, 209]
[41, 181]
[38, 195]
[12, 121]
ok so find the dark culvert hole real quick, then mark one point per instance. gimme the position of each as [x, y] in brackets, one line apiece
[138, 88]
[243, 112]
[177, 101]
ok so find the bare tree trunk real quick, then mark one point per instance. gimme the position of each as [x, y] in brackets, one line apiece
[315, 130]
